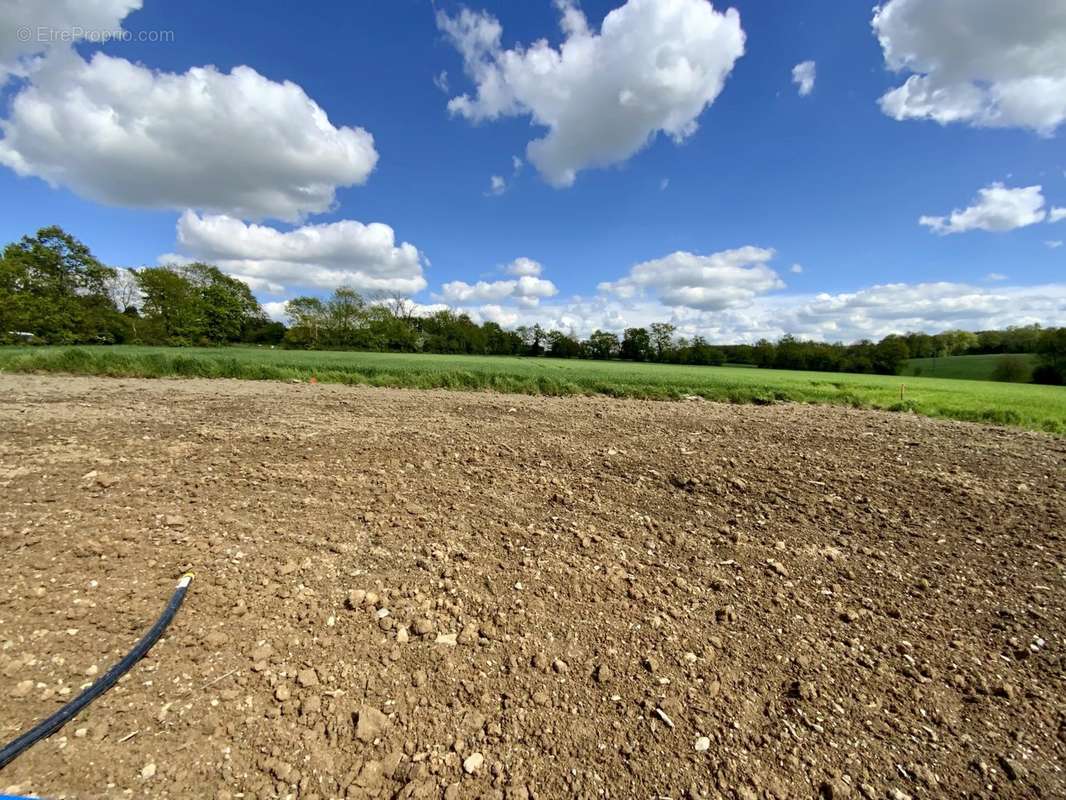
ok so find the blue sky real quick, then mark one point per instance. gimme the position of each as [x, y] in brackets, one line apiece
[835, 181]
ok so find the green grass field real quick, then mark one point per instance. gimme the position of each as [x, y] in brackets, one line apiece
[974, 368]
[1026, 405]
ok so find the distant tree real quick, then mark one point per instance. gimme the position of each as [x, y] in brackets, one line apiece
[172, 302]
[662, 335]
[227, 306]
[636, 344]
[1010, 370]
[308, 316]
[1051, 349]
[603, 345]
[561, 345]
[889, 355]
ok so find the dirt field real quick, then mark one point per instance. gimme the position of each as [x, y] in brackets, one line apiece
[433, 594]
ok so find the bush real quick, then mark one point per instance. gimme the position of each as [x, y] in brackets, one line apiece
[1010, 370]
[1049, 375]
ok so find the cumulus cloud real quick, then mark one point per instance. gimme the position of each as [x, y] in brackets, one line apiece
[275, 309]
[1054, 244]
[982, 62]
[30, 28]
[526, 291]
[653, 67]
[803, 75]
[523, 266]
[234, 143]
[324, 256]
[729, 279]
[1056, 215]
[868, 313]
[440, 80]
[996, 208]
[796, 269]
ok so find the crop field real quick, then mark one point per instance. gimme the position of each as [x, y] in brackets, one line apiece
[447, 594]
[974, 368]
[1034, 407]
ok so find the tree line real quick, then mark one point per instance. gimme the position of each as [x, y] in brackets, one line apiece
[53, 290]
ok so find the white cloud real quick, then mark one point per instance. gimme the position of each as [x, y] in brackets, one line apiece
[1056, 215]
[796, 269]
[526, 290]
[803, 75]
[276, 310]
[497, 185]
[663, 184]
[654, 67]
[236, 143]
[1054, 243]
[516, 164]
[995, 276]
[523, 266]
[996, 208]
[31, 28]
[440, 80]
[983, 62]
[867, 313]
[728, 279]
[324, 256]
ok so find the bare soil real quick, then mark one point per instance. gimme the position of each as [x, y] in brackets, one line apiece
[435, 594]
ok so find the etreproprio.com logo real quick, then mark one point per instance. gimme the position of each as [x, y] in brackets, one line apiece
[43, 34]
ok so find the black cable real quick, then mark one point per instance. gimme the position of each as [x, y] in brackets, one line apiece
[49, 726]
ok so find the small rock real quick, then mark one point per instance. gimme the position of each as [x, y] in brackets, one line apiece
[22, 688]
[148, 771]
[1005, 690]
[288, 568]
[370, 722]
[261, 653]
[355, 598]
[664, 717]
[217, 639]
[446, 638]
[603, 674]
[307, 677]
[703, 744]
[282, 693]
[174, 521]
[472, 763]
[560, 666]
[422, 627]
[371, 775]
[402, 636]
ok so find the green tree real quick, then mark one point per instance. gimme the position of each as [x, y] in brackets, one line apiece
[227, 306]
[52, 286]
[172, 303]
[308, 316]
[603, 345]
[662, 337]
[636, 344]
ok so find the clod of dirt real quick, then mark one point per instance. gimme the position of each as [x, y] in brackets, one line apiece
[369, 723]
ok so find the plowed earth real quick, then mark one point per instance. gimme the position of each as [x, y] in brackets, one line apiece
[430, 594]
